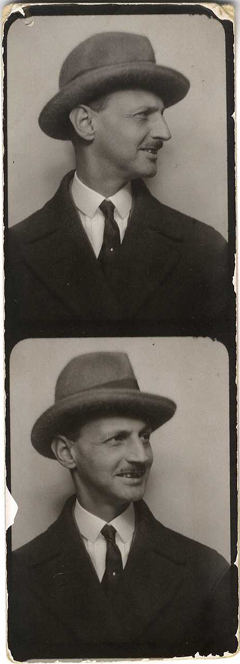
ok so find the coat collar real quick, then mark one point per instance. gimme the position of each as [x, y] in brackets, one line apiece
[58, 251]
[65, 580]
[61, 255]
[87, 200]
[151, 249]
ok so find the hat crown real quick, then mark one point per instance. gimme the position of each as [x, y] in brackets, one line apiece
[107, 48]
[94, 371]
[92, 384]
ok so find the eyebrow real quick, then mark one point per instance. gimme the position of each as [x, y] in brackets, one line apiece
[147, 109]
[125, 432]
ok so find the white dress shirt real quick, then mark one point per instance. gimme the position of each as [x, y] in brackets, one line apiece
[87, 202]
[90, 527]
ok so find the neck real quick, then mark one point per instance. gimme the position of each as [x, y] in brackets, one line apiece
[98, 178]
[104, 511]
[107, 513]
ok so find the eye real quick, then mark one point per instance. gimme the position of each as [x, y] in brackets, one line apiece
[146, 438]
[142, 114]
[117, 439]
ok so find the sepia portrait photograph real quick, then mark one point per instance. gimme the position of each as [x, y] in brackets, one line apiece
[127, 555]
[118, 131]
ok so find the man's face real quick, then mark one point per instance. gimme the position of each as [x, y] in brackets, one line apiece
[129, 132]
[113, 458]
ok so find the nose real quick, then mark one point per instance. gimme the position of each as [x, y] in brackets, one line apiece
[137, 452]
[160, 128]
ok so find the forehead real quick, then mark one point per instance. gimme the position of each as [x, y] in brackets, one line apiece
[101, 426]
[134, 98]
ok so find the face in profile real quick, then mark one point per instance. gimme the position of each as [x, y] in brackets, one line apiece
[130, 131]
[113, 457]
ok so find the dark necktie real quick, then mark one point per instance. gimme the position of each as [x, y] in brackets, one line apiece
[114, 565]
[111, 236]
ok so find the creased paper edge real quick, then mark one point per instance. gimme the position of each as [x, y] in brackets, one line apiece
[223, 12]
[13, 8]
[11, 509]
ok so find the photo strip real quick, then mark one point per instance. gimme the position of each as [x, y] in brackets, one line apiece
[121, 461]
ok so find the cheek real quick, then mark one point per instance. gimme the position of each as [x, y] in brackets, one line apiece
[99, 467]
[122, 139]
[86, 465]
[150, 457]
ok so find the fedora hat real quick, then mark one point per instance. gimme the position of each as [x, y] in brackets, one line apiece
[102, 64]
[97, 384]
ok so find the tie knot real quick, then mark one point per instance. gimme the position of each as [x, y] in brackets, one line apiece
[109, 533]
[107, 208]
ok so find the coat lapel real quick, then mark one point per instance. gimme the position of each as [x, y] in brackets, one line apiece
[150, 251]
[60, 254]
[153, 574]
[65, 581]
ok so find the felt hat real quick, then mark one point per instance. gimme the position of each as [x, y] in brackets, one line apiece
[97, 385]
[105, 63]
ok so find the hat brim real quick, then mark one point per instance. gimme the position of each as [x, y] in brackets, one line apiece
[105, 402]
[167, 83]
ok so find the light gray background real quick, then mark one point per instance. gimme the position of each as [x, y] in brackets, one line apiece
[192, 172]
[188, 488]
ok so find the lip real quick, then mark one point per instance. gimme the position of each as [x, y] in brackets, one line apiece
[135, 476]
[151, 155]
[132, 480]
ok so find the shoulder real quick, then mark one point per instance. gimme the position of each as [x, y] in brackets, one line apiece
[41, 221]
[181, 225]
[198, 555]
[205, 568]
[40, 546]
[195, 230]
[200, 560]
[48, 544]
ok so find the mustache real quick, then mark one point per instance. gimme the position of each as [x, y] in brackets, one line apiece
[157, 145]
[141, 467]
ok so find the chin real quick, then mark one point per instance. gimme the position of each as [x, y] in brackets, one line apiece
[147, 173]
[135, 495]
[150, 174]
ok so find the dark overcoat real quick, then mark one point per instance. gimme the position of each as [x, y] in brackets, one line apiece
[174, 597]
[170, 269]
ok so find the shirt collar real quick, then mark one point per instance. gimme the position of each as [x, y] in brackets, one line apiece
[87, 200]
[123, 200]
[125, 523]
[91, 525]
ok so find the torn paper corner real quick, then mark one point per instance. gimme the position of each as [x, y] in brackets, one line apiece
[224, 12]
[12, 8]
[11, 509]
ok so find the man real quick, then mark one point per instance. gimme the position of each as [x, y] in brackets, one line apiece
[104, 249]
[107, 579]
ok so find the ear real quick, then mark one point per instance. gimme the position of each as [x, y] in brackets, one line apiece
[63, 450]
[82, 120]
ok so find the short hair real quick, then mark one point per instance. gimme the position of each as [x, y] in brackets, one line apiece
[72, 424]
[96, 105]
[100, 103]
[70, 427]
